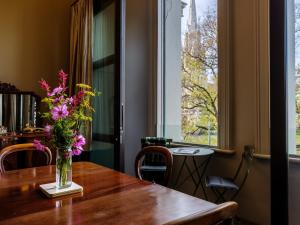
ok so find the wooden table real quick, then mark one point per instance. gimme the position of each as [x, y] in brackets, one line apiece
[109, 197]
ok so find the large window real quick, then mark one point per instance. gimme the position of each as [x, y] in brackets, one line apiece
[190, 71]
[296, 77]
[293, 68]
[104, 77]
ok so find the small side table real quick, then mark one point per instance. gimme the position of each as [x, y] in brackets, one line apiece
[197, 168]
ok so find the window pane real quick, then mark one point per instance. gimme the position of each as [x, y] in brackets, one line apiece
[191, 71]
[293, 70]
[294, 76]
[102, 148]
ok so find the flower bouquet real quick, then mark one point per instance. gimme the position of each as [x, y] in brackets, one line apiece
[65, 116]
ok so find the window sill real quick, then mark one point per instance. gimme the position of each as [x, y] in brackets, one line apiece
[262, 156]
[224, 151]
[292, 159]
[182, 144]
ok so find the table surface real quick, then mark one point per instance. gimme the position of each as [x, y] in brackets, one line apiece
[109, 197]
[198, 151]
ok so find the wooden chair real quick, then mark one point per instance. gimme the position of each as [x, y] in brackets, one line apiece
[222, 214]
[27, 160]
[168, 159]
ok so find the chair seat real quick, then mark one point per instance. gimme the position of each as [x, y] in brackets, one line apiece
[146, 168]
[220, 182]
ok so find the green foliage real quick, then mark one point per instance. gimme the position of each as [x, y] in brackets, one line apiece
[84, 86]
[63, 133]
[200, 83]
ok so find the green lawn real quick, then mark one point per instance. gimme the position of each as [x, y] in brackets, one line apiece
[202, 139]
[298, 141]
[298, 137]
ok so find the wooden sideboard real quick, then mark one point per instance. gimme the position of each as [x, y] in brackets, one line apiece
[18, 138]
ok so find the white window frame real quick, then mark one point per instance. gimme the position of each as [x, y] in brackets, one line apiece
[291, 81]
[224, 75]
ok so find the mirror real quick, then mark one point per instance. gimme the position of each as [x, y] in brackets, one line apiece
[18, 109]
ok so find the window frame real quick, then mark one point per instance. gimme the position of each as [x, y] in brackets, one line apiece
[224, 74]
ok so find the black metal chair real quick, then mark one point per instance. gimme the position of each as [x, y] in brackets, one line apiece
[220, 186]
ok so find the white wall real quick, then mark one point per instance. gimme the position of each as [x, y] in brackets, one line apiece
[138, 76]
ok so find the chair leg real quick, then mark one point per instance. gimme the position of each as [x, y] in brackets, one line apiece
[234, 195]
[228, 222]
[215, 193]
[221, 195]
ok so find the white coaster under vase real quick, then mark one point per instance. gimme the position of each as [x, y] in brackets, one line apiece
[51, 191]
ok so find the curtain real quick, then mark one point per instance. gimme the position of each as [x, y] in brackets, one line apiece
[81, 50]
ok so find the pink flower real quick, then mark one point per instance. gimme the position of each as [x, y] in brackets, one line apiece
[58, 99]
[80, 94]
[44, 85]
[48, 129]
[59, 112]
[78, 98]
[77, 151]
[67, 154]
[56, 91]
[79, 141]
[62, 77]
[70, 100]
[38, 145]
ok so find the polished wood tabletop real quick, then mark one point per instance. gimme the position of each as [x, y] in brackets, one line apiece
[109, 197]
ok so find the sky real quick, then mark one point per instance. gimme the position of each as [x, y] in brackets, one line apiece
[201, 7]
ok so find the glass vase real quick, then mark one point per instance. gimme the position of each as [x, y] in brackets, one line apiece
[63, 168]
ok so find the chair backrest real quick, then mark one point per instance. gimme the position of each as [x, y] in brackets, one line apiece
[27, 161]
[245, 165]
[221, 214]
[166, 154]
[155, 159]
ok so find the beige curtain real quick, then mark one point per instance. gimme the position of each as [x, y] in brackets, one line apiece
[81, 50]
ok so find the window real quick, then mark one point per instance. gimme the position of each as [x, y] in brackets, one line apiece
[104, 76]
[190, 72]
[293, 68]
[293, 76]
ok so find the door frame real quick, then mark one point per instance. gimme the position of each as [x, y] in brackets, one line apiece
[119, 86]
[119, 83]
